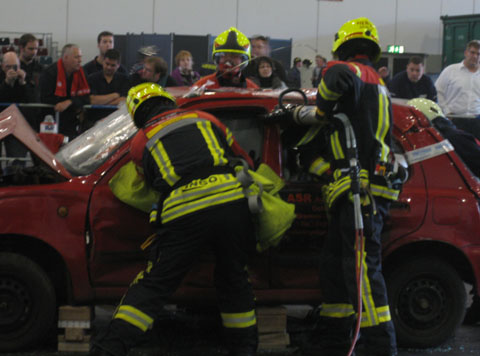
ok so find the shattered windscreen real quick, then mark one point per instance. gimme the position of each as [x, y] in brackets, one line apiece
[88, 151]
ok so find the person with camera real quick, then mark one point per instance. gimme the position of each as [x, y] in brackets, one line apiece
[12, 80]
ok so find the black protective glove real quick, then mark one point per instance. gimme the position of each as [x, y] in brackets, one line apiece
[281, 115]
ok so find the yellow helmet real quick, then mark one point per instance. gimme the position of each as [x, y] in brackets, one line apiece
[231, 41]
[138, 94]
[427, 107]
[360, 28]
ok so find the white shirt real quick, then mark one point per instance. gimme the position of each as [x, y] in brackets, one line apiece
[458, 90]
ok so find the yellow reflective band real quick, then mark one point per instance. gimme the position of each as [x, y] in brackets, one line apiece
[383, 314]
[200, 194]
[153, 216]
[337, 310]
[164, 164]
[214, 147]
[326, 93]
[336, 146]
[310, 135]
[207, 202]
[358, 72]
[134, 316]
[319, 112]
[229, 137]
[384, 192]
[367, 297]
[162, 125]
[383, 124]
[239, 320]
[319, 166]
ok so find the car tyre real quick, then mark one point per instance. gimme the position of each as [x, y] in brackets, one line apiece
[427, 302]
[27, 303]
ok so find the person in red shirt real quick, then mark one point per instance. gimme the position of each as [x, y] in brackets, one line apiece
[231, 53]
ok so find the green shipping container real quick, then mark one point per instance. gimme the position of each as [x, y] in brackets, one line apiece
[457, 32]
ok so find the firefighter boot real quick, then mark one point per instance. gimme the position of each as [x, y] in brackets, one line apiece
[241, 341]
[116, 340]
[331, 336]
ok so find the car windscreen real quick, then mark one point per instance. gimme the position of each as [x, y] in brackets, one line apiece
[92, 148]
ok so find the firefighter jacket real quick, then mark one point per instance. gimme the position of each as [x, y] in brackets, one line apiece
[185, 156]
[356, 90]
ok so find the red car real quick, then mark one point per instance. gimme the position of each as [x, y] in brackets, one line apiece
[65, 238]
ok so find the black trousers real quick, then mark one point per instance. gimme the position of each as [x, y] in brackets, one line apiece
[228, 231]
[339, 286]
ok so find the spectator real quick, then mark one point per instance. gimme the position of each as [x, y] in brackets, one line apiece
[64, 85]
[137, 69]
[306, 73]
[261, 48]
[28, 45]
[384, 73]
[184, 74]
[13, 90]
[412, 83]
[231, 53]
[108, 87]
[105, 41]
[265, 77]
[458, 85]
[321, 62]
[13, 87]
[464, 143]
[155, 71]
[294, 79]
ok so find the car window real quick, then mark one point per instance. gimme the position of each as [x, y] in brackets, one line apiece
[91, 149]
[246, 128]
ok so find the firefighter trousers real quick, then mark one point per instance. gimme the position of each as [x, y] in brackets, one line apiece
[228, 231]
[339, 287]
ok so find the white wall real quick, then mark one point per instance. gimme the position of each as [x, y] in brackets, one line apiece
[414, 23]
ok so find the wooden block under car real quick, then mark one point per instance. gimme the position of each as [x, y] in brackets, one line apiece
[273, 341]
[272, 319]
[73, 346]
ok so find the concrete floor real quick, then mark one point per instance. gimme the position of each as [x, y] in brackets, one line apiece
[198, 336]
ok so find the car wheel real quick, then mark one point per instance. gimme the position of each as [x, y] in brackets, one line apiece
[427, 301]
[27, 303]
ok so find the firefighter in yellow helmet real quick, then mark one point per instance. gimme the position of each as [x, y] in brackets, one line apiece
[352, 102]
[186, 157]
[231, 54]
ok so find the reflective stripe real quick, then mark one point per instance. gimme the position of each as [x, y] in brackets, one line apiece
[214, 147]
[229, 137]
[164, 164]
[326, 93]
[173, 124]
[383, 124]
[201, 193]
[319, 166]
[358, 72]
[383, 316]
[384, 192]
[153, 216]
[239, 320]
[337, 310]
[336, 146]
[309, 136]
[368, 304]
[134, 316]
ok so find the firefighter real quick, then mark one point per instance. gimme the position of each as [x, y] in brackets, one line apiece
[231, 54]
[352, 105]
[186, 156]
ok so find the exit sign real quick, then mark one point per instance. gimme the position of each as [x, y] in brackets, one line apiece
[395, 49]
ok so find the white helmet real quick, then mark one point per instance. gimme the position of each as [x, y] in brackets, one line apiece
[427, 107]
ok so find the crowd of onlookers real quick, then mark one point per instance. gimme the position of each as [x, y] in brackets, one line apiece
[68, 86]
